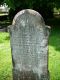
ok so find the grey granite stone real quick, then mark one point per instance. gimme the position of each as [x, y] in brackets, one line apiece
[29, 45]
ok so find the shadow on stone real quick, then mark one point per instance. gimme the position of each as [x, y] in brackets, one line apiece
[25, 75]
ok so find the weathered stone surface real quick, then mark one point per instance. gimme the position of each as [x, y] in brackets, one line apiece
[29, 45]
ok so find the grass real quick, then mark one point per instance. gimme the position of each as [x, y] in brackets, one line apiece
[5, 57]
[54, 56]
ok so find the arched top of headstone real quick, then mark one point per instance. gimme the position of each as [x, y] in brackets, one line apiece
[28, 14]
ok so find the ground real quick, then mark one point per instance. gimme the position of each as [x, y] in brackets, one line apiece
[5, 57]
[54, 55]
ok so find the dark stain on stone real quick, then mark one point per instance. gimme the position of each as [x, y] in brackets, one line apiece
[44, 77]
[25, 75]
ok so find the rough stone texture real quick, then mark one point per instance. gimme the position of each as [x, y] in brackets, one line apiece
[29, 46]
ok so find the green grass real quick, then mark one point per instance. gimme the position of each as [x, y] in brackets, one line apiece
[54, 56]
[5, 57]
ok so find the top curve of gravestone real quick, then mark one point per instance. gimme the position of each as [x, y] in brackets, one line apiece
[33, 12]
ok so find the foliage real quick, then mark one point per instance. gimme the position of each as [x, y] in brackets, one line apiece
[10, 3]
[54, 54]
[45, 7]
[28, 3]
[57, 3]
[1, 2]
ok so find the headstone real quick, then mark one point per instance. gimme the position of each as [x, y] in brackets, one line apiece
[29, 45]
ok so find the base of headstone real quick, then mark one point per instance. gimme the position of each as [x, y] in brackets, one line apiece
[28, 75]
